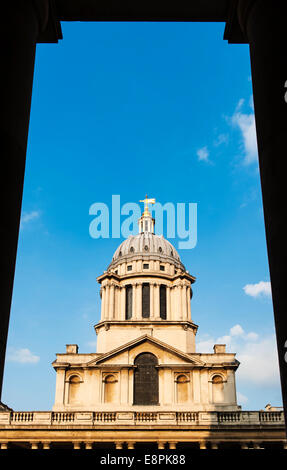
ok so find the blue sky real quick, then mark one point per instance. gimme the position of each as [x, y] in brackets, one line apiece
[129, 109]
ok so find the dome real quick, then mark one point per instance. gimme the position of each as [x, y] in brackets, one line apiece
[146, 245]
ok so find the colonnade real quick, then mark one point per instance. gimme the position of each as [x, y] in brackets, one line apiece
[164, 445]
[113, 305]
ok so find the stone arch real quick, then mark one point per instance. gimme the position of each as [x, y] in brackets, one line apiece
[146, 379]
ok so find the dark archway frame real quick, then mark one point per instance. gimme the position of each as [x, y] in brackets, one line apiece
[260, 23]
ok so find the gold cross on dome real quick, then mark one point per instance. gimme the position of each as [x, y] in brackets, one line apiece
[147, 201]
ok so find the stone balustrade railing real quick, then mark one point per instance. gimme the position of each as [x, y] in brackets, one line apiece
[94, 418]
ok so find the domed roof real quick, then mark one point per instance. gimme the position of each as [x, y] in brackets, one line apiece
[147, 244]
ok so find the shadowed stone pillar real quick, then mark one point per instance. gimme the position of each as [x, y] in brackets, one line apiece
[23, 23]
[264, 26]
[103, 302]
[34, 445]
[112, 302]
[119, 445]
[151, 301]
[172, 445]
[131, 445]
[88, 445]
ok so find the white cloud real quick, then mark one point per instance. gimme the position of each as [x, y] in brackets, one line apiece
[259, 362]
[252, 336]
[28, 216]
[257, 355]
[260, 289]
[221, 139]
[203, 154]
[22, 356]
[246, 125]
[242, 399]
[236, 330]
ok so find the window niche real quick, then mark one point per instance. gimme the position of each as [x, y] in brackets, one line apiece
[110, 388]
[182, 388]
[217, 389]
[74, 384]
[129, 302]
[145, 301]
[162, 295]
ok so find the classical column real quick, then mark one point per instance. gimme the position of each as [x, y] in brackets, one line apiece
[202, 445]
[88, 445]
[107, 302]
[168, 306]
[188, 303]
[244, 445]
[34, 445]
[119, 445]
[103, 289]
[172, 445]
[183, 302]
[160, 445]
[123, 303]
[77, 445]
[151, 287]
[46, 445]
[3, 445]
[214, 445]
[60, 386]
[131, 445]
[264, 25]
[179, 296]
[134, 309]
[112, 302]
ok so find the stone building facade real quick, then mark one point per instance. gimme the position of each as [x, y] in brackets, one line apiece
[146, 384]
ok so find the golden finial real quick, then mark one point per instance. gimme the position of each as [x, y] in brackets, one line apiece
[147, 201]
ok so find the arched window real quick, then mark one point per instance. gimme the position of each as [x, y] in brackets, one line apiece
[162, 294]
[145, 301]
[74, 389]
[146, 380]
[217, 389]
[110, 390]
[182, 382]
[129, 302]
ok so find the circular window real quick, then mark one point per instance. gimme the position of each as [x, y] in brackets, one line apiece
[146, 248]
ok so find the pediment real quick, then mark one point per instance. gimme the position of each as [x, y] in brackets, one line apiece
[126, 353]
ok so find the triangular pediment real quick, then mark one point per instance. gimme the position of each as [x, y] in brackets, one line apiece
[119, 355]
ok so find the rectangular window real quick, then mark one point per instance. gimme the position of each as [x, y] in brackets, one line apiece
[146, 266]
[162, 294]
[129, 268]
[145, 301]
[162, 268]
[129, 302]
